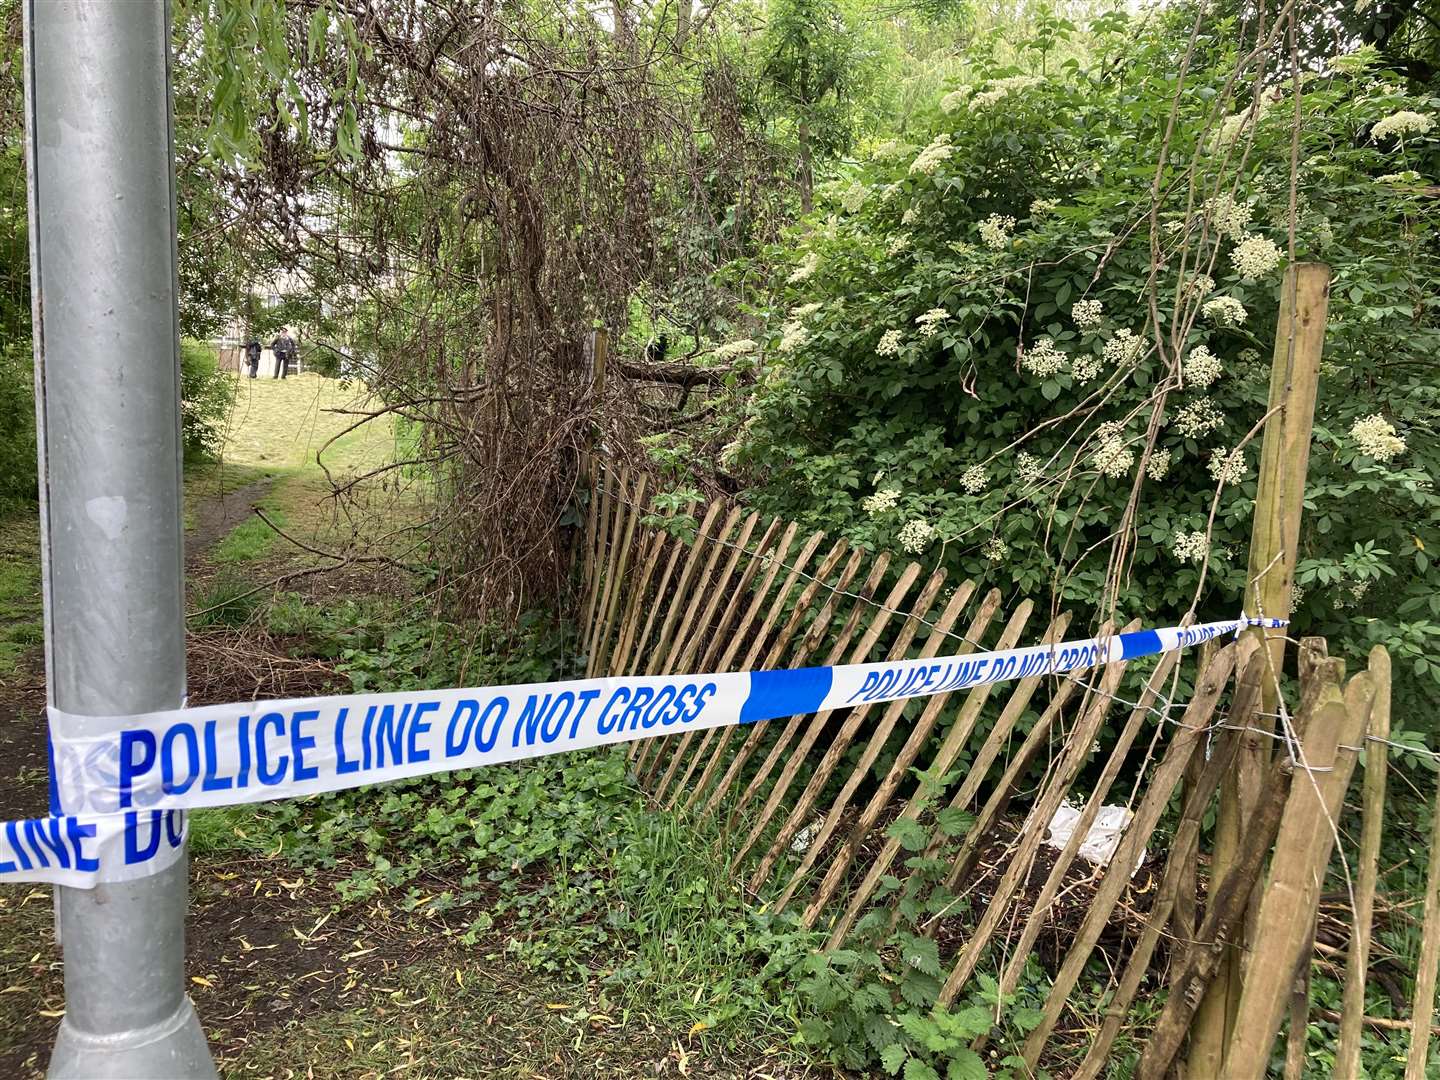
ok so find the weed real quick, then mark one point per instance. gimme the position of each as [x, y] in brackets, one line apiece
[229, 600]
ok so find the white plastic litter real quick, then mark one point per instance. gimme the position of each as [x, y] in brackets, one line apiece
[805, 836]
[1102, 838]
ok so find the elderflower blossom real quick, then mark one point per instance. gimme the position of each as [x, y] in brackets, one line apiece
[995, 231]
[889, 344]
[909, 217]
[996, 550]
[953, 100]
[1042, 359]
[1087, 313]
[915, 536]
[1124, 348]
[804, 311]
[1201, 366]
[1189, 546]
[1085, 367]
[975, 479]
[1001, 88]
[854, 196]
[1230, 218]
[1227, 466]
[1398, 179]
[1198, 418]
[1028, 468]
[1224, 311]
[883, 501]
[929, 159]
[1375, 437]
[1401, 124]
[794, 336]
[1200, 285]
[898, 243]
[931, 320]
[1041, 207]
[1297, 593]
[808, 266]
[1112, 457]
[1255, 256]
[1158, 467]
[732, 349]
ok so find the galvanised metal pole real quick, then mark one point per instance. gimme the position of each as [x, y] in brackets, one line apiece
[107, 377]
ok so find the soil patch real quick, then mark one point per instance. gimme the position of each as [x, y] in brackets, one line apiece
[217, 515]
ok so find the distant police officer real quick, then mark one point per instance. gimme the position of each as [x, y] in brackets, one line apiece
[284, 348]
[252, 356]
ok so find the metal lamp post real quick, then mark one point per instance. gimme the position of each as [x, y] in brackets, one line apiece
[103, 263]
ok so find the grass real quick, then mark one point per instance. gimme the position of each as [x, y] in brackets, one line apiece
[250, 540]
[22, 627]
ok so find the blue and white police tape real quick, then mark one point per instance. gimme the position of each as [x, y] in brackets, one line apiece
[142, 771]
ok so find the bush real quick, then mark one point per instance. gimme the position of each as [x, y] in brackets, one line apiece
[206, 397]
[963, 362]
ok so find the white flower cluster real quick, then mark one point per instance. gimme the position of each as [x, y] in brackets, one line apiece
[898, 243]
[1200, 285]
[995, 231]
[1189, 546]
[889, 344]
[732, 349]
[808, 266]
[1224, 311]
[1201, 366]
[1042, 359]
[952, 101]
[975, 479]
[1375, 437]
[1228, 217]
[1041, 207]
[804, 311]
[910, 216]
[1158, 467]
[1198, 418]
[1227, 466]
[794, 336]
[853, 197]
[1255, 256]
[1124, 348]
[1297, 593]
[931, 320]
[1001, 88]
[1402, 123]
[1028, 468]
[1112, 457]
[1399, 179]
[1085, 367]
[929, 159]
[1087, 313]
[882, 502]
[915, 536]
[996, 550]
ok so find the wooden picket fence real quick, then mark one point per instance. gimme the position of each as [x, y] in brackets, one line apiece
[823, 814]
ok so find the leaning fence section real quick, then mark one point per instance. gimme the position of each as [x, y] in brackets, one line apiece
[942, 807]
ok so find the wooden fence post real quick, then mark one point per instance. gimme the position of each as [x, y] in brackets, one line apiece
[1377, 757]
[1422, 1011]
[1284, 458]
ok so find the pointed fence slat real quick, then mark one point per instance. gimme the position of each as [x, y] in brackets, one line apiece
[940, 637]
[845, 736]
[819, 721]
[789, 726]
[1058, 783]
[796, 570]
[954, 740]
[811, 638]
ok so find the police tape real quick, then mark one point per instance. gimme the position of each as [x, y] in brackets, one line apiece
[120, 785]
